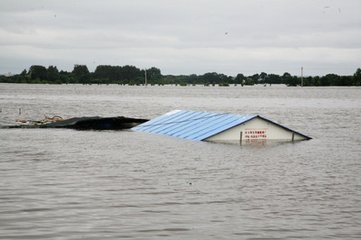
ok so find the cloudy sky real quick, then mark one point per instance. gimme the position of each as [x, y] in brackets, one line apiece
[183, 36]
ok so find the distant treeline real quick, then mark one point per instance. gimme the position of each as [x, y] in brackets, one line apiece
[131, 75]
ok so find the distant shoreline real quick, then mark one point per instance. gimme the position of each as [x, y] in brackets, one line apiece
[133, 76]
[182, 86]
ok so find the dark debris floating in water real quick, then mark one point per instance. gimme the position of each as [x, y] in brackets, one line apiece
[85, 123]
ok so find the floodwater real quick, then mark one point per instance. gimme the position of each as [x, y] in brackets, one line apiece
[68, 184]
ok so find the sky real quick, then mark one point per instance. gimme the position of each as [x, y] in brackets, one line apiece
[183, 36]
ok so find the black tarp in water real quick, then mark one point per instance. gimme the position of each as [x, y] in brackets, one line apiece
[89, 123]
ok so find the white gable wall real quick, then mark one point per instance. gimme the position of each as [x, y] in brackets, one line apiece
[256, 129]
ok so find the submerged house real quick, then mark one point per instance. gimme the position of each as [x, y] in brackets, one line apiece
[218, 127]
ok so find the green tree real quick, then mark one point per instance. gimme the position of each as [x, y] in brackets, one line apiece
[240, 79]
[288, 79]
[81, 73]
[330, 80]
[154, 75]
[23, 73]
[38, 72]
[255, 78]
[357, 77]
[262, 77]
[211, 78]
[53, 74]
[65, 77]
[102, 73]
[249, 81]
[273, 79]
[192, 79]
[132, 73]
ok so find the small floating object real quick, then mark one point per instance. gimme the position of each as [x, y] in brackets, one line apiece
[22, 121]
[219, 127]
[52, 119]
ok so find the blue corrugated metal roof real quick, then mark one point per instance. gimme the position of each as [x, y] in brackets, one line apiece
[192, 125]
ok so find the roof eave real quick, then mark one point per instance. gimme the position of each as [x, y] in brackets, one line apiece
[286, 128]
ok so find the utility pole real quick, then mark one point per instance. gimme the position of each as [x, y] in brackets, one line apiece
[301, 76]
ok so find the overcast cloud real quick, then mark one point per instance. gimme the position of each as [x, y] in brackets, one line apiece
[183, 36]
